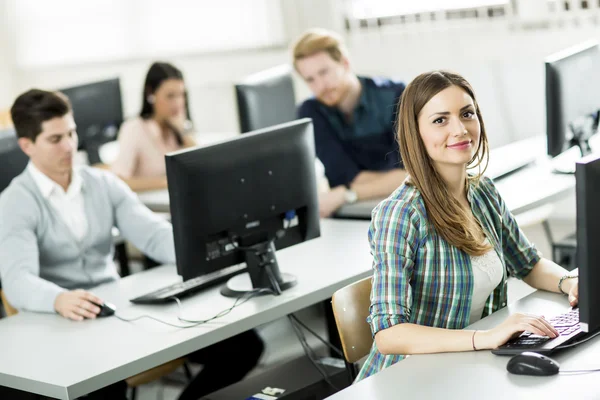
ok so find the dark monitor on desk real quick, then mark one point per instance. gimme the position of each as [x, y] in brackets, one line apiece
[98, 114]
[12, 159]
[587, 188]
[572, 97]
[266, 99]
[243, 199]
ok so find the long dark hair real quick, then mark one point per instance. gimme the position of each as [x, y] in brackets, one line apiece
[443, 210]
[157, 74]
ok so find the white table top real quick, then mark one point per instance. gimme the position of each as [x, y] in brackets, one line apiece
[483, 375]
[47, 354]
[522, 191]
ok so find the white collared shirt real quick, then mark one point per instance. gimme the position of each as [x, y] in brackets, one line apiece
[69, 205]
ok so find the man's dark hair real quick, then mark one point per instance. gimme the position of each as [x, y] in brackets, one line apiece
[34, 107]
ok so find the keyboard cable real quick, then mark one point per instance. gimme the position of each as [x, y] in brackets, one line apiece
[192, 323]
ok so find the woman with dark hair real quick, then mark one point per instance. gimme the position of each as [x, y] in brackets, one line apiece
[444, 242]
[162, 126]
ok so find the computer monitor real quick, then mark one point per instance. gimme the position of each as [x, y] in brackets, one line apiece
[587, 188]
[266, 98]
[241, 200]
[572, 97]
[12, 160]
[98, 114]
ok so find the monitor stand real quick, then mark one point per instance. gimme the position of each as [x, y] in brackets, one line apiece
[263, 273]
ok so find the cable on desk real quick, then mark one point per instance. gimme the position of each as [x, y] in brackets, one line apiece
[192, 323]
[238, 302]
[579, 371]
[153, 318]
[310, 354]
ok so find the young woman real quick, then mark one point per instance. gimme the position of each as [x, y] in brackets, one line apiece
[162, 126]
[444, 242]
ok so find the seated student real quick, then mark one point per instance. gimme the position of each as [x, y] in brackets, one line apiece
[56, 242]
[162, 126]
[353, 118]
[444, 242]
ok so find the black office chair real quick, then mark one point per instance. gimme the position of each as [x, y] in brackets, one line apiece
[266, 99]
[12, 160]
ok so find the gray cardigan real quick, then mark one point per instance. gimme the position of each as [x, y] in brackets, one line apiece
[40, 257]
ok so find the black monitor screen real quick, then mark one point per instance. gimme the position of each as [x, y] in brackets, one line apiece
[587, 175]
[98, 114]
[572, 97]
[253, 189]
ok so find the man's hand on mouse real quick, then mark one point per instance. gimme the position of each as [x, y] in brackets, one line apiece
[77, 305]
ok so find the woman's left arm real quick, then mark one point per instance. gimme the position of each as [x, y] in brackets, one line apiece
[546, 275]
[520, 255]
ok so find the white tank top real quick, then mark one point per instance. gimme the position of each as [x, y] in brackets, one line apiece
[487, 275]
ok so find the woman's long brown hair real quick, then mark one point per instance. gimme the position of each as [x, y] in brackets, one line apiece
[449, 218]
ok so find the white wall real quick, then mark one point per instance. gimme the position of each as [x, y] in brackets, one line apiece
[505, 67]
[7, 58]
[209, 79]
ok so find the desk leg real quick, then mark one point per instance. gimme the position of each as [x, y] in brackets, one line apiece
[332, 332]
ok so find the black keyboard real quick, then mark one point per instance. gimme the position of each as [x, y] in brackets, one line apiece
[566, 324]
[189, 287]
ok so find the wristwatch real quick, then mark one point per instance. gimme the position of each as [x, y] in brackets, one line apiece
[350, 196]
[560, 282]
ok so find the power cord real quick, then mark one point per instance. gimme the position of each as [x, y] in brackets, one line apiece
[325, 342]
[192, 323]
[579, 372]
[309, 351]
[238, 302]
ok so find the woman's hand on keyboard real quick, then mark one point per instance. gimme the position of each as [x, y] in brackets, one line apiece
[512, 327]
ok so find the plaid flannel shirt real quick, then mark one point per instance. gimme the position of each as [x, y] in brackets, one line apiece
[420, 278]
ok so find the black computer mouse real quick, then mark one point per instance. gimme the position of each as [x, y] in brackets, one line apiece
[106, 309]
[530, 363]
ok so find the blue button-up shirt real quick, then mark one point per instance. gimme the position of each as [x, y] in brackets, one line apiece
[368, 142]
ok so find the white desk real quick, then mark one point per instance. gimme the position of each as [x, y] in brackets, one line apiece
[156, 200]
[49, 355]
[483, 375]
[523, 190]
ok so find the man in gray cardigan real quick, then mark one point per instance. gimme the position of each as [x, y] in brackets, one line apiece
[56, 242]
[56, 220]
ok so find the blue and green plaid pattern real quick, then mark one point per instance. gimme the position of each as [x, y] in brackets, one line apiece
[418, 277]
